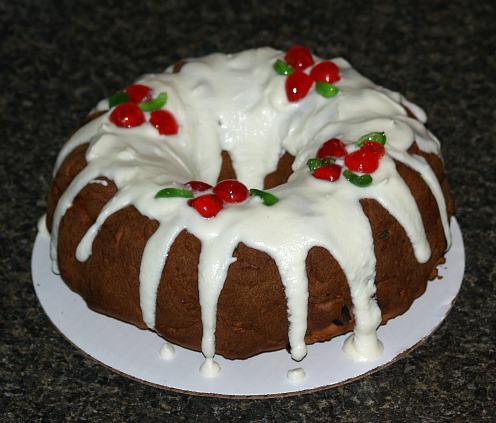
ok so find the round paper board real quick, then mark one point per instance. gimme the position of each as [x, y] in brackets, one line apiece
[135, 353]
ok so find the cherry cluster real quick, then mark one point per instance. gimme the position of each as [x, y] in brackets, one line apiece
[209, 204]
[365, 160]
[136, 99]
[298, 82]
[209, 200]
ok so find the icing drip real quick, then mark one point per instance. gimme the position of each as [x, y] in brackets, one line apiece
[153, 262]
[210, 368]
[296, 374]
[238, 103]
[167, 351]
[215, 259]
[41, 225]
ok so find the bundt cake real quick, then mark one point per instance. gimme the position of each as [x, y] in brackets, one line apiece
[245, 203]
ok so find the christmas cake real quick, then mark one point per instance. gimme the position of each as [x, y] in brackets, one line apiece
[244, 203]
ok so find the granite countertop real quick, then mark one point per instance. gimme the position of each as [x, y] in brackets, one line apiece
[59, 58]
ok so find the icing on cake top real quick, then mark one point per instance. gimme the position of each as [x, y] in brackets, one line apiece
[238, 103]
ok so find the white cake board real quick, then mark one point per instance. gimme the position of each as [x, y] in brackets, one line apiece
[135, 353]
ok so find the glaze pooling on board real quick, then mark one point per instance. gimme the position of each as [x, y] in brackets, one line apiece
[238, 103]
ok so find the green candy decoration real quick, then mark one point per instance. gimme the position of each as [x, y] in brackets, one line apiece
[267, 198]
[360, 181]
[282, 68]
[315, 163]
[325, 89]
[174, 193]
[379, 137]
[155, 104]
[117, 98]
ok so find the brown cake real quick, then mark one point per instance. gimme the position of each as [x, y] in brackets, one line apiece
[238, 204]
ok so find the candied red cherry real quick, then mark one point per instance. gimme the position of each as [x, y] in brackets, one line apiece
[138, 92]
[164, 121]
[331, 148]
[374, 148]
[127, 115]
[362, 161]
[325, 72]
[299, 57]
[208, 205]
[330, 172]
[231, 191]
[198, 186]
[297, 85]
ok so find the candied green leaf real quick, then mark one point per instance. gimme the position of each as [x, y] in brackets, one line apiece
[174, 192]
[155, 104]
[314, 163]
[267, 198]
[360, 181]
[325, 89]
[282, 68]
[117, 98]
[379, 137]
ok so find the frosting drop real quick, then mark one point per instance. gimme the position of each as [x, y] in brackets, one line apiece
[167, 351]
[363, 348]
[296, 374]
[209, 368]
[41, 225]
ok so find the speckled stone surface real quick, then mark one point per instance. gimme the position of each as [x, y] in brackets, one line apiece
[58, 58]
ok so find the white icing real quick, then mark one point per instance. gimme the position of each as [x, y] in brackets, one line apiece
[167, 351]
[363, 347]
[238, 103]
[41, 225]
[209, 368]
[296, 374]
[99, 182]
